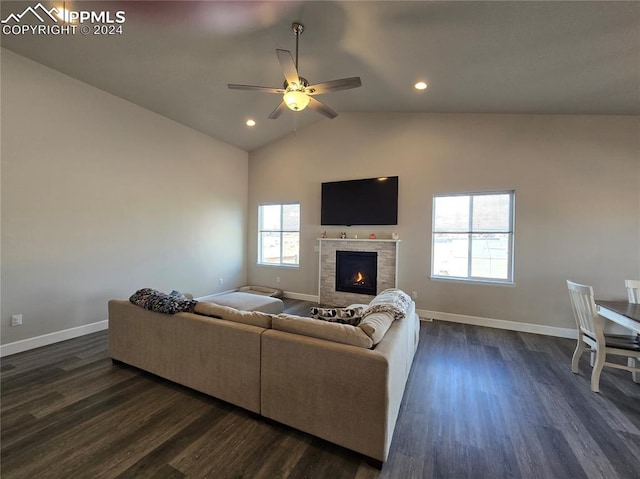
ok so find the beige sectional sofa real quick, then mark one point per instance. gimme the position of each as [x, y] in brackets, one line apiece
[323, 378]
[216, 357]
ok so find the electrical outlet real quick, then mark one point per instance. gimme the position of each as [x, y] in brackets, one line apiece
[16, 320]
[414, 295]
[278, 279]
[221, 281]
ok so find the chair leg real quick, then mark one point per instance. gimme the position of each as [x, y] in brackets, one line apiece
[597, 369]
[634, 363]
[580, 347]
[592, 358]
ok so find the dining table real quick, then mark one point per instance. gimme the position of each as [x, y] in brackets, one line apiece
[621, 312]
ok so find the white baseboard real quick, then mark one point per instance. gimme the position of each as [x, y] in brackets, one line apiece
[499, 324]
[46, 339]
[301, 296]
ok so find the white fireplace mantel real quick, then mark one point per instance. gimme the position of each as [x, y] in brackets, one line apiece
[387, 250]
[365, 240]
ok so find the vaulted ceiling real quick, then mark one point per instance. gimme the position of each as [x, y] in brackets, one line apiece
[176, 58]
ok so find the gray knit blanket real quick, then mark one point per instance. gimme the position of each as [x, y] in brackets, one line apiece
[393, 301]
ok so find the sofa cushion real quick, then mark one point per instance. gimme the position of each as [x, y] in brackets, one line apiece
[159, 302]
[336, 332]
[254, 318]
[338, 315]
[376, 325]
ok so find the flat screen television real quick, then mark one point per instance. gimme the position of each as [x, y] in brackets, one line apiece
[370, 201]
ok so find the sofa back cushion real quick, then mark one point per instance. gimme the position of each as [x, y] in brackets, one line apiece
[376, 325]
[336, 332]
[254, 318]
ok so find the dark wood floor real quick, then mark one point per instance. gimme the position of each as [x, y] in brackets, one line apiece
[480, 403]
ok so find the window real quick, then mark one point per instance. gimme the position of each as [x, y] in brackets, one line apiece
[473, 237]
[279, 234]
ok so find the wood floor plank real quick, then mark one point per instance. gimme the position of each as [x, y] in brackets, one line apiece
[111, 454]
[287, 452]
[77, 387]
[152, 463]
[72, 429]
[77, 413]
[479, 403]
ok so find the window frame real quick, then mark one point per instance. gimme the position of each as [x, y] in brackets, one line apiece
[281, 231]
[510, 280]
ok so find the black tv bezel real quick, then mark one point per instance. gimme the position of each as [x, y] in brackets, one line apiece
[356, 222]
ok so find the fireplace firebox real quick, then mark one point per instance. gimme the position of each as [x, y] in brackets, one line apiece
[356, 272]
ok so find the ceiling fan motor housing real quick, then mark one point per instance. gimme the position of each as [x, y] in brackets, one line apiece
[301, 85]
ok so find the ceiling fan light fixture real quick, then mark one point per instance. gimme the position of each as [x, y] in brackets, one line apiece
[296, 100]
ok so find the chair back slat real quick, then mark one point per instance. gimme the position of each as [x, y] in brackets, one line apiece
[585, 311]
[633, 290]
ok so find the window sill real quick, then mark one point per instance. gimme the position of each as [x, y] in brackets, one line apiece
[274, 265]
[472, 281]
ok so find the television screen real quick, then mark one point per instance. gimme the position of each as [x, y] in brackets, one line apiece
[370, 201]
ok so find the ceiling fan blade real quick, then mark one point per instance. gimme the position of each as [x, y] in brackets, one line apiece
[288, 66]
[265, 89]
[334, 85]
[278, 110]
[321, 108]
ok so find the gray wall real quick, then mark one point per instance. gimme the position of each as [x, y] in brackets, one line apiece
[577, 183]
[101, 197]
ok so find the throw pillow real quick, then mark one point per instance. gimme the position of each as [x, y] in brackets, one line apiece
[376, 325]
[350, 316]
[154, 300]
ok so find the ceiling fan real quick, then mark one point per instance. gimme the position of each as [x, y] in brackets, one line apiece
[296, 92]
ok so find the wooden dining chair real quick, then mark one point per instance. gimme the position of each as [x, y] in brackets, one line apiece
[633, 290]
[633, 293]
[591, 333]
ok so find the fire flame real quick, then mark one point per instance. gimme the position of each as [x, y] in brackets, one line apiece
[359, 278]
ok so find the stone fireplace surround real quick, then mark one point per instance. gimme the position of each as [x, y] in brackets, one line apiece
[387, 250]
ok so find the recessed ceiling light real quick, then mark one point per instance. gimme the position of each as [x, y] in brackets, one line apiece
[251, 122]
[420, 85]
